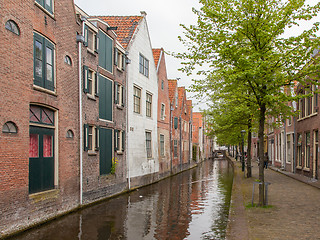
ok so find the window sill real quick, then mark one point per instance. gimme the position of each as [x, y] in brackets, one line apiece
[46, 195]
[91, 97]
[306, 117]
[120, 107]
[298, 167]
[120, 152]
[41, 89]
[306, 169]
[45, 10]
[91, 51]
[92, 153]
[120, 69]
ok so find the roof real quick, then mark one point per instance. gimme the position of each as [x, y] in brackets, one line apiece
[126, 26]
[172, 85]
[156, 55]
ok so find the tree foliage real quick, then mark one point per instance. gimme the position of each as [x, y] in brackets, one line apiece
[245, 57]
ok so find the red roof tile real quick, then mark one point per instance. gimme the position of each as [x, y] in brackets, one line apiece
[172, 85]
[126, 26]
[156, 55]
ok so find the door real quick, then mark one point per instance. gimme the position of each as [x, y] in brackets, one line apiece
[41, 159]
[105, 137]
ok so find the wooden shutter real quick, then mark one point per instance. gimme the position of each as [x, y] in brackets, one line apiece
[85, 79]
[96, 84]
[109, 51]
[96, 43]
[85, 137]
[123, 96]
[116, 56]
[123, 140]
[102, 50]
[38, 80]
[123, 62]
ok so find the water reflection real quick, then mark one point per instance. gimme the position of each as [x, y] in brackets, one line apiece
[191, 205]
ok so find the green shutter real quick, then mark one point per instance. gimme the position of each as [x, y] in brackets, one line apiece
[85, 137]
[96, 79]
[175, 123]
[123, 62]
[123, 140]
[49, 84]
[123, 95]
[105, 136]
[38, 80]
[97, 140]
[85, 79]
[102, 50]
[116, 133]
[109, 53]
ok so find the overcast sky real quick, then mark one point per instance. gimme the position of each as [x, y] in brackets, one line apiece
[164, 18]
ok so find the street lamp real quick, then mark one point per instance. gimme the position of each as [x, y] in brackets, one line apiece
[242, 160]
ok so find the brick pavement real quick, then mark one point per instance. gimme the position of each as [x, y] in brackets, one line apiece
[295, 211]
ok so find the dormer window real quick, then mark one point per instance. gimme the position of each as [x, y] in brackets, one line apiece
[119, 59]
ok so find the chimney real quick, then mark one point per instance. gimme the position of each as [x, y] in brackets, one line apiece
[143, 13]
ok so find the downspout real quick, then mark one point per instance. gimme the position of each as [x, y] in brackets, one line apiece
[127, 124]
[80, 40]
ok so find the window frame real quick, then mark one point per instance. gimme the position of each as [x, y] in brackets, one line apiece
[137, 100]
[148, 144]
[43, 81]
[90, 85]
[162, 111]
[162, 145]
[307, 150]
[143, 65]
[45, 6]
[148, 104]
[91, 39]
[13, 27]
[91, 138]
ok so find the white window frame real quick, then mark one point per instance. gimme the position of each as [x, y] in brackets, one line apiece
[163, 111]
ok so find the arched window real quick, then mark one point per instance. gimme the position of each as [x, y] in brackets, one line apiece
[9, 127]
[67, 60]
[13, 27]
[70, 134]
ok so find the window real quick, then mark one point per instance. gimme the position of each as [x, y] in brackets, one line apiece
[41, 149]
[175, 148]
[162, 113]
[148, 105]
[148, 145]
[315, 152]
[176, 99]
[299, 149]
[90, 81]
[105, 98]
[70, 134]
[105, 51]
[289, 153]
[175, 123]
[119, 59]
[315, 96]
[119, 95]
[162, 145]
[46, 4]
[119, 140]
[308, 103]
[289, 121]
[91, 138]
[307, 157]
[162, 84]
[136, 99]
[9, 127]
[12, 27]
[43, 60]
[143, 65]
[91, 40]
[67, 60]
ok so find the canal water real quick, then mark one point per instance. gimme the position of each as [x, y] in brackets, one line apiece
[191, 205]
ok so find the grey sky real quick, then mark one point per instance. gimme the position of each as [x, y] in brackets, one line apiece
[164, 18]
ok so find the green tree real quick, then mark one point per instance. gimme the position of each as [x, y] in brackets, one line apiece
[241, 43]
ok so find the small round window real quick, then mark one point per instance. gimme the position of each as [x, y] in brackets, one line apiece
[70, 134]
[67, 60]
[9, 127]
[13, 27]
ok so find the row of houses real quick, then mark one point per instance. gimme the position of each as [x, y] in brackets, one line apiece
[293, 144]
[87, 111]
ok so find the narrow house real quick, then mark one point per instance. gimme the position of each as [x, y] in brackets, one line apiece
[39, 155]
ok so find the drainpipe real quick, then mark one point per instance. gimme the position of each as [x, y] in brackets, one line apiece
[127, 123]
[80, 40]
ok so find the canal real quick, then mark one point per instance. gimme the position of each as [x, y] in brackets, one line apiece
[191, 205]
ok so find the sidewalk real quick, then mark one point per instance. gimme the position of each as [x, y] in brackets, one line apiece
[294, 211]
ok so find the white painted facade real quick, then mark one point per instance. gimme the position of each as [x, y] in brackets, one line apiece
[138, 124]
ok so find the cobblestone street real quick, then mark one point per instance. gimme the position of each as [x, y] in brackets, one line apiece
[294, 211]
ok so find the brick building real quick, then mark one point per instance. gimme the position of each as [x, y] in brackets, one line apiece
[39, 151]
[142, 92]
[163, 114]
[103, 110]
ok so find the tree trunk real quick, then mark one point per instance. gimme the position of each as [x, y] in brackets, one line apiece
[249, 149]
[261, 154]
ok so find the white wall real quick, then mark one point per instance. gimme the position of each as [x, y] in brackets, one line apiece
[139, 165]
